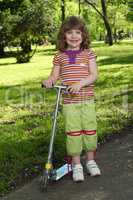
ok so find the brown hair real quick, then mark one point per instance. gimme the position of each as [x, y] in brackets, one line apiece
[72, 22]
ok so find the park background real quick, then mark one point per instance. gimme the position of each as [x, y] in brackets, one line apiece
[28, 31]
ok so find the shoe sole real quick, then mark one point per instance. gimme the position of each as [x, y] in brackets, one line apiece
[96, 175]
[79, 181]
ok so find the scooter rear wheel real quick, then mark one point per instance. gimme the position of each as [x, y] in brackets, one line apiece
[44, 182]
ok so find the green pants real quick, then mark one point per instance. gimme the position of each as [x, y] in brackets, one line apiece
[80, 127]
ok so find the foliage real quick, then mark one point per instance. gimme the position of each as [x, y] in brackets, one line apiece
[117, 15]
[27, 22]
[6, 22]
[32, 19]
[130, 11]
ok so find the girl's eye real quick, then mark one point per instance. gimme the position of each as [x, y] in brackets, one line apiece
[69, 32]
[78, 32]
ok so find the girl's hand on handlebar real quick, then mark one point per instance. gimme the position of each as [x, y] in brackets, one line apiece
[48, 83]
[75, 88]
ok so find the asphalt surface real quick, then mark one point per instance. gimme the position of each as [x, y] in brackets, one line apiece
[115, 159]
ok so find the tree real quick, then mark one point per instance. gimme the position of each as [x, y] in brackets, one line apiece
[79, 5]
[63, 10]
[7, 20]
[103, 14]
[106, 22]
[32, 21]
[117, 17]
[5, 30]
[130, 10]
[35, 21]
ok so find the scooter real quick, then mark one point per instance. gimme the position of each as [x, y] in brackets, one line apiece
[49, 173]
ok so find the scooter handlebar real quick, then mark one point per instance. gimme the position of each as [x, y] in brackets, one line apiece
[56, 86]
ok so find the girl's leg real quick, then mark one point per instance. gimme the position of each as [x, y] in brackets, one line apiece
[90, 155]
[76, 160]
[74, 148]
[77, 169]
[91, 165]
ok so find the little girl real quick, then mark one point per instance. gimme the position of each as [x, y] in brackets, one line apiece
[75, 66]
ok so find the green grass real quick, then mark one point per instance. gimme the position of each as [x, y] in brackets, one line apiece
[25, 120]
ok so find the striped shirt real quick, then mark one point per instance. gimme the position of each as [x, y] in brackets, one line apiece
[74, 66]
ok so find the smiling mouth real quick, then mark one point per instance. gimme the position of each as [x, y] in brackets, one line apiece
[74, 40]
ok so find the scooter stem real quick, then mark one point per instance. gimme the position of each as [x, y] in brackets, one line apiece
[53, 132]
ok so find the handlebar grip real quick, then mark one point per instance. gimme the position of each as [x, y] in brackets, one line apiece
[55, 86]
[42, 85]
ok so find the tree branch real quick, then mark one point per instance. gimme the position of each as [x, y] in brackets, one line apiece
[93, 5]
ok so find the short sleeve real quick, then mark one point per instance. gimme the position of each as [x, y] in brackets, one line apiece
[91, 54]
[56, 60]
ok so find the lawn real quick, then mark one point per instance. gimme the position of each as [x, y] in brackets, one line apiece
[25, 108]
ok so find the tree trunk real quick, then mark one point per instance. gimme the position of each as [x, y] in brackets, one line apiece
[2, 53]
[105, 19]
[106, 22]
[115, 35]
[26, 45]
[79, 7]
[63, 10]
[24, 55]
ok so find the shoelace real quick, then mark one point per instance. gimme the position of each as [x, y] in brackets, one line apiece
[77, 170]
[92, 165]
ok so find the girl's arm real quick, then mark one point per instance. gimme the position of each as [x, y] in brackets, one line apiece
[93, 74]
[54, 76]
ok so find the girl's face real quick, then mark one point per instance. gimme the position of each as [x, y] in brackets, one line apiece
[73, 39]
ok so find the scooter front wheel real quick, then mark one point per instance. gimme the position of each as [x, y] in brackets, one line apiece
[44, 181]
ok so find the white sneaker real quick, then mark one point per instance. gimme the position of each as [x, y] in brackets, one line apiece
[92, 168]
[78, 174]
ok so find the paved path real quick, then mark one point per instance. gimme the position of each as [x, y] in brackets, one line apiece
[115, 159]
